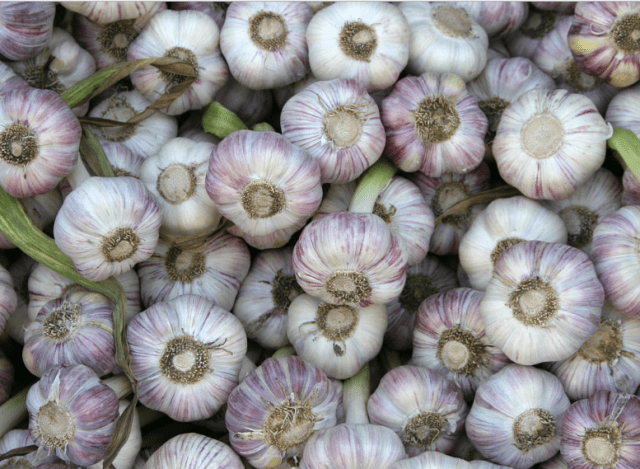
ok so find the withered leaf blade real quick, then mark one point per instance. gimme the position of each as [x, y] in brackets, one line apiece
[120, 434]
[18, 452]
[483, 197]
[93, 154]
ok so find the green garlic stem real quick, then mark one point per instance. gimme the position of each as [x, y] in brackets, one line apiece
[13, 411]
[627, 143]
[220, 121]
[263, 127]
[285, 351]
[355, 394]
[374, 180]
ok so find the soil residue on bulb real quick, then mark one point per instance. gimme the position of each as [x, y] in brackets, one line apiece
[423, 430]
[460, 351]
[261, 199]
[186, 360]
[62, 321]
[533, 428]
[580, 222]
[19, 144]
[534, 302]
[435, 119]
[337, 323]
[120, 245]
[268, 30]
[184, 266]
[601, 446]
[501, 246]
[348, 287]
[452, 21]
[115, 38]
[445, 197]
[358, 40]
[54, 424]
[625, 34]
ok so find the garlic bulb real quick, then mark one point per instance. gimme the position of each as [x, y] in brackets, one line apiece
[186, 354]
[614, 253]
[631, 185]
[429, 277]
[502, 224]
[603, 40]
[264, 43]
[15, 439]
[581, 211]
[434, 125]
[177, 34]
[9, 80]
[623, 112]
[193, 451]
[426, 410]
[107, 225]
[497, 18]
[123, 161]
[338, 123]
[543, 302]
[277, 408]
[263, 183]
[524, 41]
[143, 138]
[431, 459]
[251, 106]
[108, 12]
[364, 41]
[127, 454]
[176, 175]
[602, 431]
[517, 415]
[352, 446]
[336, 199]
[339, 339]
[25, 28]
[39, 142]
[265, 295]
[609, 360]
[8, 297]
[72, 414]
[449, 337]
[350, 258]
[214, 271]
[216, 10]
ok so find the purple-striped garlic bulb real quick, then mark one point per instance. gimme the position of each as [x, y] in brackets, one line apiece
[337, 338]
[364, 41]
[15, 439]
[265, 185]
[497, 18]
[517, 415]
[108, 12]
[251, 106]
[631, 188]
[623, 112]
[444, 40]
[123, 161]
[604, 40]
[543, 302]
[186, 354]
[504, 223]
[594, 199]
[216, 10]
[39, 142]
[193, 451]
[264, 43]
[426, 410]
[524, 41]
[215, 270]
[435, 459]
[176, 175]
[72, 414]
[350, 258]
[429, 277]
[336, 199]
[449, 337]
[8, 297]
[9, 80]
[602, 432]
[25, 28]
[178, 34]
[277, 408]
[338, 123]
[550, 142]
[107, 225]
[76, 329]
[434, 125]
[264, 297]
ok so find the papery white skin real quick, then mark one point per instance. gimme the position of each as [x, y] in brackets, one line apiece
[498, 403]
[631, 186]
[614, 252]
[123, 161]
[602, 410]
[9, 80]
[353, 446]
[274, 240]
[600, 195]
[86, 339]
[216, 10]
[8, 297]
[350, 242]
[258, 68]
[246, 156]
[503, 219]
[289, 382]
[431, 459]
[461, 152]
[604, 362]
[382, 68]
[45, 284]
[20, 271]
[623, 112]
[251, 106]
[180, 29]
[575, 317]
[147, 136]
[497, 18]
[438, 51]
[149, 334]
[226, 262]
[408, 391]
[127, 455]
[193, 451]
[581, 143]
[443, 192]
[57, 133]
[554, 57]
[64, 59]
[97, 209]
[15, 439]
[92, 405]
[187, 208]
[337, 199]
[524, 41]
[339, 358]
[6, 379]
[26, 28]
[360, 140]
[264, 298]
[424, 279]
[108, 12]
[456, 309]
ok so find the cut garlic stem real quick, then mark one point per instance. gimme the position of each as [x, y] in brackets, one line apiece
[355, 394]
[375, 179]
[285, 351]
[119, 383]
[14, 411]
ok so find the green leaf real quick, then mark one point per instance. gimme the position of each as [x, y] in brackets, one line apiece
[93, 154]
[372, 182]
[220, 121]
[627, 143]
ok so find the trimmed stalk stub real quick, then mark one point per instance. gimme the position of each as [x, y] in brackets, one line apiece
[627, 143]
